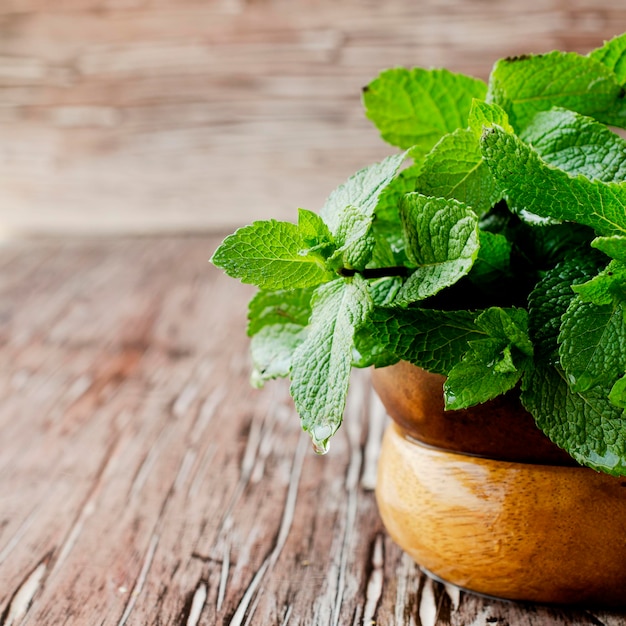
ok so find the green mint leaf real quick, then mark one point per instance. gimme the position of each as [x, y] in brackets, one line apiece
[593, 343]
[354, 240]
[617, 395]
[485, 114]
[614, 246]
[608, 287]
[320, 366]
[577, 144]
[272, 349]
[527, 84]
[442, 240]
[454, 168]
[494, 257]
[613, 55]
[279, 307]
[362, 190]
[416, 107]
[269, 254]
[431, 339]
[387, 226]
[583, 423]
[315, 234]
[486, 371]
[549, 300]
[530, 185]
[384, 290]
[509, 326]
[490, 366]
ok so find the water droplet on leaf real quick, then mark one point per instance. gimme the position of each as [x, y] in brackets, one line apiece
[320, 448]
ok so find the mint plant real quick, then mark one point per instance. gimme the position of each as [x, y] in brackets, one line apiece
[491, 249]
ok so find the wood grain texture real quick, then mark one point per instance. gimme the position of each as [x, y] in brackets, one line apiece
[142, 481]
[160, 115]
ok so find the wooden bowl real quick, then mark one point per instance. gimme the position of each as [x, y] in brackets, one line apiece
[530, 531]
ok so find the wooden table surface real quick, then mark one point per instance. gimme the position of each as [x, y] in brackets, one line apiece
[142, 481]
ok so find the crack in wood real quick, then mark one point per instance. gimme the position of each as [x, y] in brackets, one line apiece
[141, 579]
[374, 589]
[192, 611]
[285, 526]
[22, 598]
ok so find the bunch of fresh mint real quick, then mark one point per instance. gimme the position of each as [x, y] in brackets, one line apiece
[492, 251]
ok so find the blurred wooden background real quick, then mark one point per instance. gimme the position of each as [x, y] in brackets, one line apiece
[187, 115]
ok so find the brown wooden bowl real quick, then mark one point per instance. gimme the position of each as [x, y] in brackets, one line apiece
[529, 531]
[498, 429]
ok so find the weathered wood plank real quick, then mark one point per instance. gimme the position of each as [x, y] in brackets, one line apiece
[142, 481]
[152, 116]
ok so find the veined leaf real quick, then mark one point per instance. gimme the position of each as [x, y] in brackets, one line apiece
[577, 144]
[486, 114]
[362, 190]
[527, 84]
[272, 349]
[549, 300]
[267, 308]
[455, 169]
[583, 423]
[442, 240]
[320, 366]
[269, 254]
[532, 185]
[433, 340]
[415, 108]
[592, 343]
[354, 240]
[480, 375]
[613, 55]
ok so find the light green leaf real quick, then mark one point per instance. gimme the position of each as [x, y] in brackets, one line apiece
[279, 307]
[431, 339]
[614, 246]
[387, 227]
[415, 108]
[527, 84]
[593, 343]
[320, 367]
[442, 240]
[362, 190]
[269, 254]
[608, 287]
[532, 185]
[315, 234]
[485, 114]
[617, 395]
[577, 144]
[353, 239]
[486, 371]
[613, 55]
[272, 349]
[583, 423]
[454, 168]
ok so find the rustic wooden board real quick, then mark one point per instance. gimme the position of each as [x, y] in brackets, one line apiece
[153, 115]
[142, 481]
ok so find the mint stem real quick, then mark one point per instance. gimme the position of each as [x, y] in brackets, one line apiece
[375, 272]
